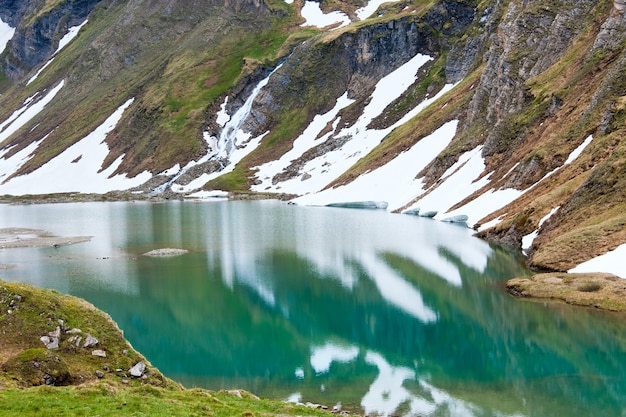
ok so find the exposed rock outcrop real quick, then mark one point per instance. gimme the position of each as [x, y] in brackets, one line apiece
[36, 38]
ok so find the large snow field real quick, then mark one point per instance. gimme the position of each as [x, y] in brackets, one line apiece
[77, 169]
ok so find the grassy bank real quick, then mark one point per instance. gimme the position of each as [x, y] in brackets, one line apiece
[604, 291]
[96, 378]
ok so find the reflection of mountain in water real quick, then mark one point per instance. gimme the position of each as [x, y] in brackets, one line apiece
[391, 313]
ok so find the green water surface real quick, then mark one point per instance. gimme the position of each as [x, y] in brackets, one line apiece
[386, 314]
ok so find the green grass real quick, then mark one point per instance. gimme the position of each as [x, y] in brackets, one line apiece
[108, 400]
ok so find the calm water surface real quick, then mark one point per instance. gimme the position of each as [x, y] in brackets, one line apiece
[385, 314]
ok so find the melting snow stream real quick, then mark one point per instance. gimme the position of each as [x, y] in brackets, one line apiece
[223, 148]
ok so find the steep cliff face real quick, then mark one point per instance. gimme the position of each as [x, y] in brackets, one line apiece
[37, 37]
[530, 96]
[322, 69]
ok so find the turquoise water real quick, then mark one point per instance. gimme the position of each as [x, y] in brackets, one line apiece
[386, 314]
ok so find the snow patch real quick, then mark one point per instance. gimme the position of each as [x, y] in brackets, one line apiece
[572, 156]
[611, 262]
[222, 116]
[365, 12]
[6, 34]
[393, 182]
[527, 241]
[314, 16]
[307, 140]
[69, 36]
[76, 168]
[579, 150]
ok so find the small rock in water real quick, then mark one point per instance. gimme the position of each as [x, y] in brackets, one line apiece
[138, 370]
[166, 252]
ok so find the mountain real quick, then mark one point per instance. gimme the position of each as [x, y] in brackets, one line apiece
[507, 115]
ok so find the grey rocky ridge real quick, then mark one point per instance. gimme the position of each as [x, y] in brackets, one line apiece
[527, 82]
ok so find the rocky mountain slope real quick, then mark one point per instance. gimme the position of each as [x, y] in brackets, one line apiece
[509, 114]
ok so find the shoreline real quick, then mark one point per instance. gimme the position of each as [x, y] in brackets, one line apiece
[599, 290]
[602, 291]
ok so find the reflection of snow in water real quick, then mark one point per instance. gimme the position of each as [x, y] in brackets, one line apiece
[323, 356]
[338, 247]
[397, 291]
[387, 393]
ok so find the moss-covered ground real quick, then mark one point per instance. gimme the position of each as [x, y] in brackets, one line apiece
[603, 291]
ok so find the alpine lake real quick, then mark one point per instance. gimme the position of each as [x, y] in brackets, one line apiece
[367, 311]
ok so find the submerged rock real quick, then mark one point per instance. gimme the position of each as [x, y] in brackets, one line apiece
[166, 252]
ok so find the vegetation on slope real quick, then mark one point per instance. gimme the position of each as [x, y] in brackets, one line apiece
[175, 61]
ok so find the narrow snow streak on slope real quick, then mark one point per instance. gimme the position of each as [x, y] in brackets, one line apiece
[572, 156]
[527, 241]
[579, 150]
[314, 16]
[23, 115]
[76, 168]
[611, 262]
[6, 34]
[360, 139]
[459, 181]
[66, 39]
